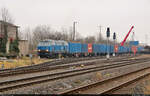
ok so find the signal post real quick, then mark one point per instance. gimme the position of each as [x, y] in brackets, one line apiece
[114, 38]
[108, 35]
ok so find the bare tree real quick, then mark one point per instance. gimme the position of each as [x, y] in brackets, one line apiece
[39, 33]
[90, 39]
[79, 38]
[5, 16]
[65, 35]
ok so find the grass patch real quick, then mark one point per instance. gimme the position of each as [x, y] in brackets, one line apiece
[25, 61]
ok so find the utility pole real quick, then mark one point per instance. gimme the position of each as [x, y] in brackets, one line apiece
[146, 38]
[133, 36]
[100, 34]
[74, 30]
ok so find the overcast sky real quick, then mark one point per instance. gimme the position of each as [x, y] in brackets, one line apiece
[119, 15]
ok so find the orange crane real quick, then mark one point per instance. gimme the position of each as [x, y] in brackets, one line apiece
[122, 43]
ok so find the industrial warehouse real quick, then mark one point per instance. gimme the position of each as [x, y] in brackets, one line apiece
[57, 48]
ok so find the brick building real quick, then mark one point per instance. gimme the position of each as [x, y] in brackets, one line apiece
[12, 32]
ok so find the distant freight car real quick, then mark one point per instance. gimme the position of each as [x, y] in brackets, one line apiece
[120, 49]
[84, 49]
[128, 49]
[75, 48]
[96, 49]
[111, 49]
[124, 49]
[135, 43]
[103, 48]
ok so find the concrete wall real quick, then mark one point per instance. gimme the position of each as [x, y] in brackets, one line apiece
[23, 47]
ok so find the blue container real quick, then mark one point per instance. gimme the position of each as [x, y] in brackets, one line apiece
[125, 49]
[103, 48]
[136, 43]
[119, 49]
[109, 48]
[129, 50]
[75, 47]
[96, 48]
[84, 48]
[100, 48]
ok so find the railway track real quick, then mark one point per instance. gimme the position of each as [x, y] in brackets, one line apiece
[45, 64]
[14, 84]
[58, 65]
[56, 62]
[112, 84]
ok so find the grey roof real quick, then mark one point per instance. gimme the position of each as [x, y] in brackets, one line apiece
[9, 23]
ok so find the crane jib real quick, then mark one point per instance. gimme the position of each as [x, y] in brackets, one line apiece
[122, 43]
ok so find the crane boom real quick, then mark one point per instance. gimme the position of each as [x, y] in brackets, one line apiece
[122, 43]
